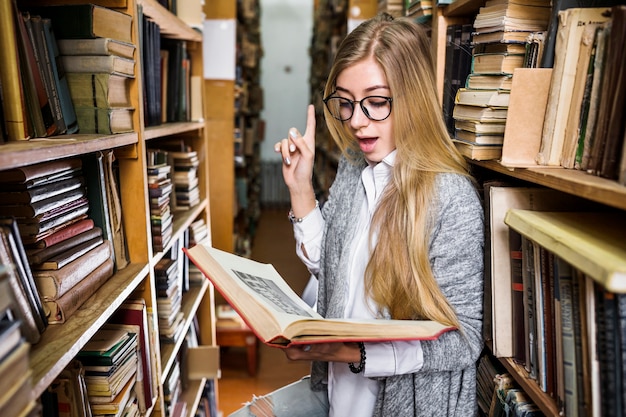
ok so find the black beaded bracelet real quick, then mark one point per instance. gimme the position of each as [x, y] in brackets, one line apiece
[359, 369]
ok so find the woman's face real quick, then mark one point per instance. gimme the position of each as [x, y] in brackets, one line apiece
[365, 79]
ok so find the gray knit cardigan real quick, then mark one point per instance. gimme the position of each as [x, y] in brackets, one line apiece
[446, 384]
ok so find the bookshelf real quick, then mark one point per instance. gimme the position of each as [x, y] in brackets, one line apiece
[60, 343]
[585, 241]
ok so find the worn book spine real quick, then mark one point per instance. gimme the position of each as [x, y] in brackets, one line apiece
[41, 109]
[39, 193]
[41, 207]
[74, 21]
[61, 260]
[110, 64]
[96, 46]
[14, 107]
[35, 28]
[64, 233]
[31, 172]
[37, 256]
[60, 79]
[38, 229]
[63, 307]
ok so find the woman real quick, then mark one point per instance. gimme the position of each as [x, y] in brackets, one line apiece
[401, 235]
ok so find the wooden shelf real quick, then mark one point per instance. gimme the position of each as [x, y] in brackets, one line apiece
[60, 343]
[591, 242]
[19, 153]
[168, 129]
[529, 385]
[171, 26]
[463, 7]
[571, 181]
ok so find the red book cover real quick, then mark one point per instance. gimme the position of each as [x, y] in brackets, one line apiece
[65, 233]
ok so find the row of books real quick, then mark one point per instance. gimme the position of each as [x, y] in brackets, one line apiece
[16, 382]
[584, 127]
[58, 233]
[60, 71]
[541, 310]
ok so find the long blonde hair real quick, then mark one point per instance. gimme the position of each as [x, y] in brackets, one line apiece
[398, 276]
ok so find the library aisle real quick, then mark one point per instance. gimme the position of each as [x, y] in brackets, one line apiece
[273, 243]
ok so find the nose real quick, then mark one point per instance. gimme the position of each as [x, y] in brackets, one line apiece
[358, 119]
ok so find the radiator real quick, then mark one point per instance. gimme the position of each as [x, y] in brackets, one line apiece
[274, 192]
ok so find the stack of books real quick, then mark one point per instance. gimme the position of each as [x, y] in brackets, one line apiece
[419, 10]
[110, 363]
[98, 57]
[16, 384]
[68, 255]
[169, 286]
[172, 388]
[502, 29]
[160, 190]
[185, 165]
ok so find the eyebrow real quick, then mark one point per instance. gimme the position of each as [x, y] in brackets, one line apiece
[372, 88]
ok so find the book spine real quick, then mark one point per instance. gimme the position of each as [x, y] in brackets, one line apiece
[67, 232]
[517, 298]
[62, 308]
[14, 107]
[60, 80]
[56, 283]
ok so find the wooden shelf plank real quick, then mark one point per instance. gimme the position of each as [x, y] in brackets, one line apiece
[169, 129]
[571, 181]
[60, 343]
[19, 153]
[171, 25]
[591, 242]
[530, 386]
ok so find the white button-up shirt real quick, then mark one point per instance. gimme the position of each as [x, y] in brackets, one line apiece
[355, 394]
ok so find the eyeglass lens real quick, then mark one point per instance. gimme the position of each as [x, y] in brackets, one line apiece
[374, 107]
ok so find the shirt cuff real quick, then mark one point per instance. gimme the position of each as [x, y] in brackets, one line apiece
[393, 358]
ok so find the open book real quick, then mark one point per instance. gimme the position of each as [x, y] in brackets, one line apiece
[280, 318]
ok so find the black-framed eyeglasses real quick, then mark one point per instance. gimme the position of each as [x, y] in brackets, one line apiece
[376, 108]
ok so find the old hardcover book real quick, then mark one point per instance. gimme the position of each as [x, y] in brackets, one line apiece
[63, 307]
[524, 123]
[41, 192]
[503, 63]
[61, 260]
[479, 138]
[500, 36]
[40, 110]
[34, 27]
[481, 114]
[42, 207]
[280, 317]
[66, 232]
[110, 64]
[489, 81]
[31, 174]
[59, 78]
[99, 89]
[480, 97]
[111, 182]
[480, 128]
[31, 310]
[97, 46]
[38, 256]
[14, 108]
[478, 152]
[106, 121]
[57, 218]
[87, 21]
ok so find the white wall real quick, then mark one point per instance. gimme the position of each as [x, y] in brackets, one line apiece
[286, 30]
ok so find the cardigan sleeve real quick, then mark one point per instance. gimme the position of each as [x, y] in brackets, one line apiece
[457, 260]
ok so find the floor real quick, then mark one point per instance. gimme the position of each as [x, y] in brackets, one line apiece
[273, 243]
